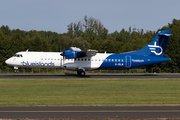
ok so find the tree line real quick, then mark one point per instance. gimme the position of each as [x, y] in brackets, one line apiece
[88, 33]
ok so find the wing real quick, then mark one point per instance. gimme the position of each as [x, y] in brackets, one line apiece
[84, 53]
[91, 53]
[77, 53]
[75, 49]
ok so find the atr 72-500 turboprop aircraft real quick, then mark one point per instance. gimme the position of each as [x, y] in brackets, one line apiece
[77, 60]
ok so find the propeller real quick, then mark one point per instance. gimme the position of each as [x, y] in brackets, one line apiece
[64, 56]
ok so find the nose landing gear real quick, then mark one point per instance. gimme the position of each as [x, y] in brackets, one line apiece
[16, 69]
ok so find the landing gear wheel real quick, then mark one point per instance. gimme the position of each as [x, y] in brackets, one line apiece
[78, 72]
[81, 73]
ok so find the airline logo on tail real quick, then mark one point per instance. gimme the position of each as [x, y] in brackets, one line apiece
[154, 48]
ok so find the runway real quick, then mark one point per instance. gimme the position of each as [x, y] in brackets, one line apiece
[92, 76]
[80, 112]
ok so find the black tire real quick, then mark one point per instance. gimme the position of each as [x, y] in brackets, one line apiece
[78, 72]
[16, 71]
[81, 72]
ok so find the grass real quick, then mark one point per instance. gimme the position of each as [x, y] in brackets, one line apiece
[51, 92]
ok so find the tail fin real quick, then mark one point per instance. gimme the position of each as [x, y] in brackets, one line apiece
[157, 47]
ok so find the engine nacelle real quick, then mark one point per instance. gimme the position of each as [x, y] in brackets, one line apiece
[69, 54]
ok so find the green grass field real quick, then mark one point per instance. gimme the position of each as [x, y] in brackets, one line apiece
[51, 92]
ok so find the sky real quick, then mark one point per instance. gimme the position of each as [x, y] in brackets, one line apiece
[55, 15]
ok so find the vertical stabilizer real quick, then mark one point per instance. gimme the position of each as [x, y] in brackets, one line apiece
[157, 47]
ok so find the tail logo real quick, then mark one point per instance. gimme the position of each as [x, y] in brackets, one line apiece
[154, 48]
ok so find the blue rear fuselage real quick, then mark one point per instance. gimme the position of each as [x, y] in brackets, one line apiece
[128, 60]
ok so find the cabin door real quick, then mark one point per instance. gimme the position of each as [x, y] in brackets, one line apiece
[128, 61]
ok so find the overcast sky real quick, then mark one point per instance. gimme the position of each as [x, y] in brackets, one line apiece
[55, 15]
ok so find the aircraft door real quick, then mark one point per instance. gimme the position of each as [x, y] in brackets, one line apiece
[128, 61]
[61, 62]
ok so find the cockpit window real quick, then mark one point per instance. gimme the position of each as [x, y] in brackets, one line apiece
[18, 55]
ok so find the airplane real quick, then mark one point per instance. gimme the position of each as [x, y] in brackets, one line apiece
[79, 60]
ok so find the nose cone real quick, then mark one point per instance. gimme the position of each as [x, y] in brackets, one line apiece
[7, 61]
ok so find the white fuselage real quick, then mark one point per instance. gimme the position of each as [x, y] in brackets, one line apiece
[55, 60]
[150, 54]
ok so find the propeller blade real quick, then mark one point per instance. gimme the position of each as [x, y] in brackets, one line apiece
[64, 59]
[63, 53]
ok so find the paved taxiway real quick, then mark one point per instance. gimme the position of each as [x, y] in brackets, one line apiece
[95, 76]
[90, 112]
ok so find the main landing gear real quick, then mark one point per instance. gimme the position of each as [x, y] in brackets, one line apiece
[81, 72]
